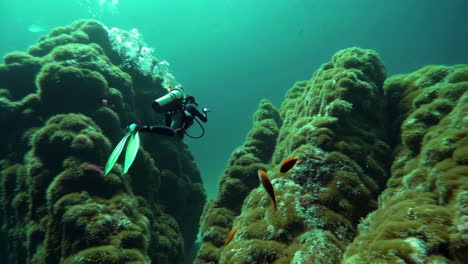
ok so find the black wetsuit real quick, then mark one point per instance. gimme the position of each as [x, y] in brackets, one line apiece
[176, 121]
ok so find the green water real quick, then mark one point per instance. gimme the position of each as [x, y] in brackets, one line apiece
[231, 53]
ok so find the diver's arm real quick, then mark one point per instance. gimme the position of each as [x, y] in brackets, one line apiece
[194, 111]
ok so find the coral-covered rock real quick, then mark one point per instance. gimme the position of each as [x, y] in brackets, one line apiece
[82, 31]
[58, 207]
[18, 74]
[421, 216]
[335, 123]
[66, 89]
[72, 211]
[91, 57]
[19, 119]
[236, 183]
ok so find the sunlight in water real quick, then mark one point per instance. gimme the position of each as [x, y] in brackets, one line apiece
[97, 8]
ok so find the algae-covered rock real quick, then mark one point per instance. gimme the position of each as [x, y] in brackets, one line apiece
[70, 89]
[237, 181]
[72, 212]
[65, 104]
[346, 126]
[18, 72]
[82, 31]
[335, 123]
[422, 213]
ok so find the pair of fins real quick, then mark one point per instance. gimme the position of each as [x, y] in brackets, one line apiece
[132, 140]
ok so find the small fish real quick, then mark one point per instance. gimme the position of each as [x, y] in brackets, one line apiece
[288, 164]
[92, 167]
[35, 28]
[300, 32]
[263, 177]
[231, 235]
[105, 102]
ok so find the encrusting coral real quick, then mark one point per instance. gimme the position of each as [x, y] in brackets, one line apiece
[379, 172]
[237, 182]
[346, 125]
[335, 123]
[422, 215]
[56, 205]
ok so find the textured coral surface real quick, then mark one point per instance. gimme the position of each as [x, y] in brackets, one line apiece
[422, 215]
[383, 176]
[335, 122]
[57, 207]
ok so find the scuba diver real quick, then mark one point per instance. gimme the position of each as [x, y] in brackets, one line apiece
[180, 112]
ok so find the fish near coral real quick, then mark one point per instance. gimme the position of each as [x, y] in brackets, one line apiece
[288, 164]
[263, 177]
[92, 167]
[231, 235]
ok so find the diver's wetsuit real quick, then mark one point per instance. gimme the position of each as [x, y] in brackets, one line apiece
[176, 122]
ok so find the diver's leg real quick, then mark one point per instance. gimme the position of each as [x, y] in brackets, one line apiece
[177, 121]
[157, 129]
[168, 119]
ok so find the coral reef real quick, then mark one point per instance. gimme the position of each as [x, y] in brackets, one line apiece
[383, 175]
[381, 172]
[335, 123]
[66, 103]
[422, 215]
[238, 181]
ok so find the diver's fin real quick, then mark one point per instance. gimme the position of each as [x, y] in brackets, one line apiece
[116, 153]
[132, 150]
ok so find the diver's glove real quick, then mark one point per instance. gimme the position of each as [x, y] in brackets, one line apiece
[133, 143]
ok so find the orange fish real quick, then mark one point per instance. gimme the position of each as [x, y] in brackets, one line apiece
[288, 164]
[263, 177]
[231, 235]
